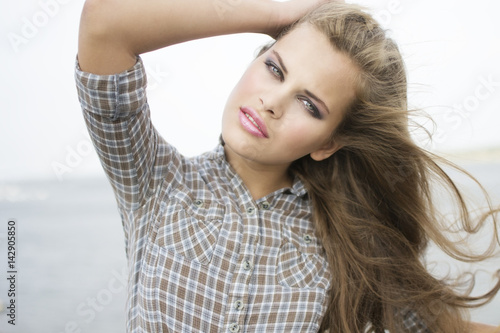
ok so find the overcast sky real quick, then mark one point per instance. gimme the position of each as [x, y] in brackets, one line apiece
[451, 50]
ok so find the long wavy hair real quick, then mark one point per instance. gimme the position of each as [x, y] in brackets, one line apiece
[373, 201]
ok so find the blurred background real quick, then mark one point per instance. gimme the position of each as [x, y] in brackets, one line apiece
[70, 255]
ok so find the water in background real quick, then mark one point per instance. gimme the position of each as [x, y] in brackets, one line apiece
[71, 257]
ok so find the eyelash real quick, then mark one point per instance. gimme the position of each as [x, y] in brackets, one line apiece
[275, 71]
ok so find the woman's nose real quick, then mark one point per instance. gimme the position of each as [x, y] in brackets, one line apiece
[271, 103]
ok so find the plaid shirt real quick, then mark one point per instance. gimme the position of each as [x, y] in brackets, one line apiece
[203, 255]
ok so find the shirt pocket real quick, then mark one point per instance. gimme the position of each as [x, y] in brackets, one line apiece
[189, 226]
[301, 262]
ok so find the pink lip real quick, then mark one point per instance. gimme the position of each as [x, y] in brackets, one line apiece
[259, 131]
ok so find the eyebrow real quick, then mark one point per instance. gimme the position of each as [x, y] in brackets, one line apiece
[308, 93]
[280, 61]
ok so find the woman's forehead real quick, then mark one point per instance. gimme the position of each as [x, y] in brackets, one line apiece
[307, 45]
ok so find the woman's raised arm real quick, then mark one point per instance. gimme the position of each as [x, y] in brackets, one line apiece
[113, 32]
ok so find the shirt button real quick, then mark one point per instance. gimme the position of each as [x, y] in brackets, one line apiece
[265, 205]
[307, 238]
[238, 305]
[198, 203]
[251, 210]
[247, 265]
[234, 328]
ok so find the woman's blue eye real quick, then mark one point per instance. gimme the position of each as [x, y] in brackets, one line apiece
[274, 69]
[310, 107]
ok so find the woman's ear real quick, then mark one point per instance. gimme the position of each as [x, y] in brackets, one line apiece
[325, 151]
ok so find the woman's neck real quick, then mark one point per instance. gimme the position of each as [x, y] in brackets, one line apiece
[260, 179]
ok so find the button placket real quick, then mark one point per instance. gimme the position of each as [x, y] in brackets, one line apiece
[249, 214]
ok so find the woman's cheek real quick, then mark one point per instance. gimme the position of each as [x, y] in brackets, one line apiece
[252, 82]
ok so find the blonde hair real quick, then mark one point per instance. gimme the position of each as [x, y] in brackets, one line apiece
[373, 206]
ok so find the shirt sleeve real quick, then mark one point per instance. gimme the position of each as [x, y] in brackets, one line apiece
[132, 153]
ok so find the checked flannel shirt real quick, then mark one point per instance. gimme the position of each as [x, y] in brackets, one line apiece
[203, 255]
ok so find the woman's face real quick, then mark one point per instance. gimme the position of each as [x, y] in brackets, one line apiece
[289, 101]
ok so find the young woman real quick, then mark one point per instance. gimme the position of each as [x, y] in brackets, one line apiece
[314, 211]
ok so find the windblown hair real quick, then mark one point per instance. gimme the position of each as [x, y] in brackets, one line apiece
[373, 204]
